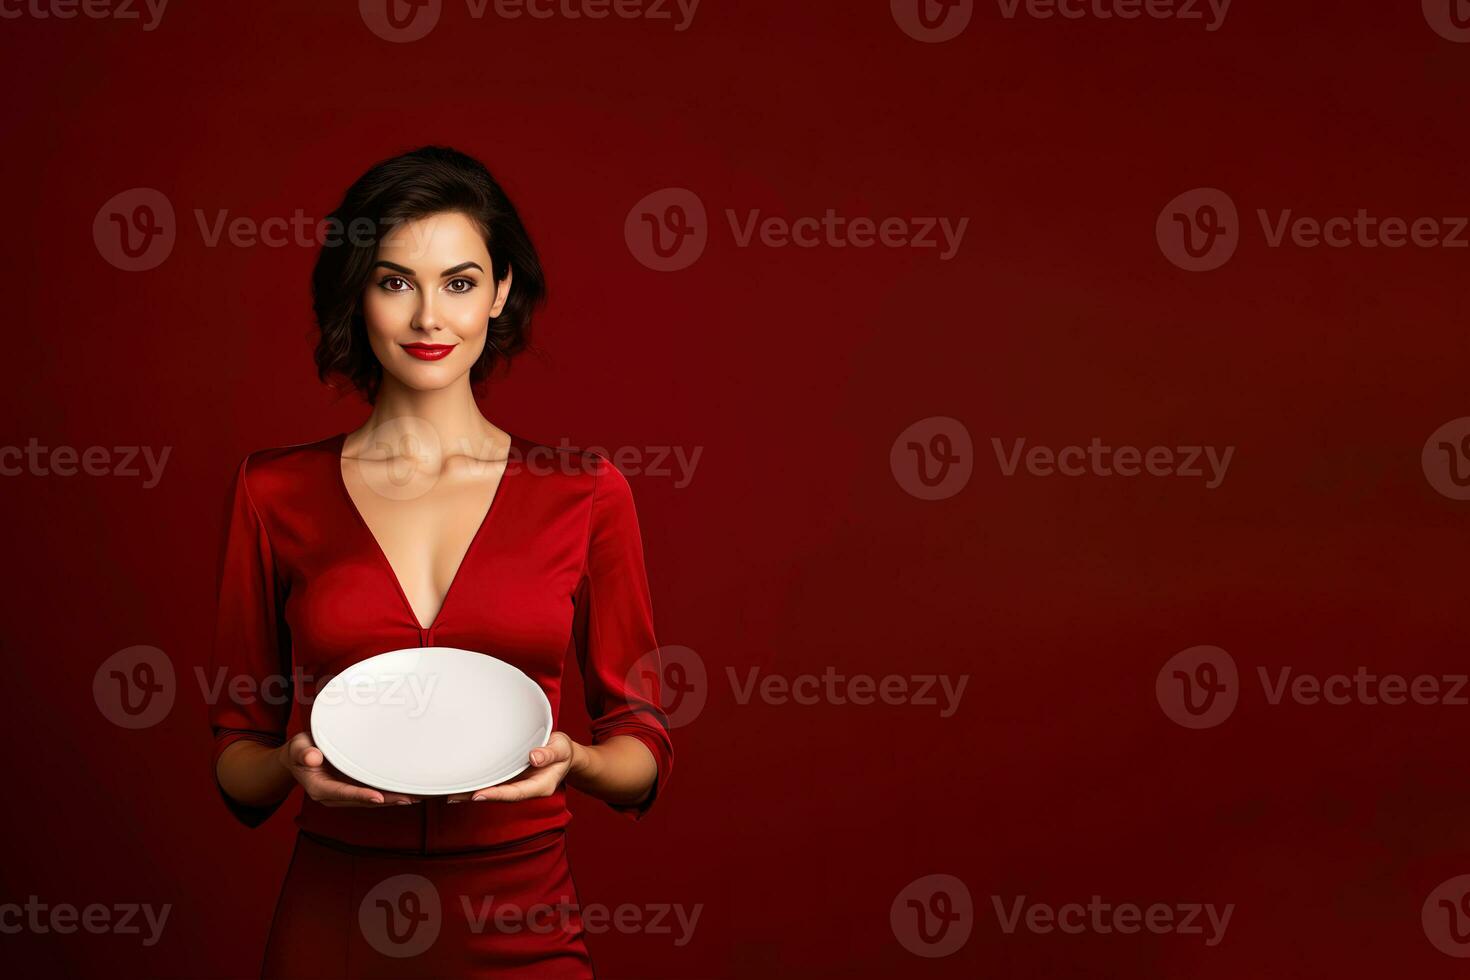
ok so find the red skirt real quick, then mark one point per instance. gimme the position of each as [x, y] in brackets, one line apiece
[348, 911]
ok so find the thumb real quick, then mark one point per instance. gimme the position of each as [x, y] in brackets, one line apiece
[304, 753]
[555, 750]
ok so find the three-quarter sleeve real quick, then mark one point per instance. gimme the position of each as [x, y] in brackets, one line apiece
[250, 670]
[613, 631]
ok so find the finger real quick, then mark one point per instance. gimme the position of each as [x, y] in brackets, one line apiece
[541, 783]
[399, 799]
[324, 788]
[469, 796]
[404, 801]
[332, 778]
[556, 750]
[305, 754]
[297, 750]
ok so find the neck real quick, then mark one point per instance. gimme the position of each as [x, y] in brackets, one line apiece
[429, 423]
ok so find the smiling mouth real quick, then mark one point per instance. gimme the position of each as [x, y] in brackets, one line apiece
[429, 352]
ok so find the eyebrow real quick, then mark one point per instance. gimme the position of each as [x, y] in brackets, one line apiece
[447, 272]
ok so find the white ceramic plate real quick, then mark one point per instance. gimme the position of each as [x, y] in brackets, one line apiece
[430, 721]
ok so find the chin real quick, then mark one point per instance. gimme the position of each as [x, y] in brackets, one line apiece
[426, 377]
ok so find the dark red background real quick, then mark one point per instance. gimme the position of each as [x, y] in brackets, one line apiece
[794, 548]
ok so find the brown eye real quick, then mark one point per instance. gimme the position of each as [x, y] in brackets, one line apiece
[465, 285]
[394, 284]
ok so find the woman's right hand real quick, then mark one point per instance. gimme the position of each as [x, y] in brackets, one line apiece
[324, 784]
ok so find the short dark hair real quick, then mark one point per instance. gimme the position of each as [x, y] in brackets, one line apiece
[414, 185]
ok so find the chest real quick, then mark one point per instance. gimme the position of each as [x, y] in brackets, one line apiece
[424, 524]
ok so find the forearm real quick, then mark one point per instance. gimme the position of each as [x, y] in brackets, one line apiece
[621, 770]
[254, 774]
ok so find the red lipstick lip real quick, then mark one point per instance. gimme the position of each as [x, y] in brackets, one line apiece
[429, 352]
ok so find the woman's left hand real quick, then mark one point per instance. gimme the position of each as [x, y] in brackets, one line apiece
[549, 766]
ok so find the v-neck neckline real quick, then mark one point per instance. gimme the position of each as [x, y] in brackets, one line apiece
[341, 481]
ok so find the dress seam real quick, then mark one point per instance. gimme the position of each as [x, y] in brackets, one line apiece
[255, 511]
[278, 595]
[591, 510]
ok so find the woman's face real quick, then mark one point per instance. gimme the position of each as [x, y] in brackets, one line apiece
[429, 300]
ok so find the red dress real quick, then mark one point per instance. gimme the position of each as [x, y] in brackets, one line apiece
[436, 888]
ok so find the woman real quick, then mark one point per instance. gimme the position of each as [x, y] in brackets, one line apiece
[430, 526]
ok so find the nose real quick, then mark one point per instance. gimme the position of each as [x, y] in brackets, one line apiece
[427, 316]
